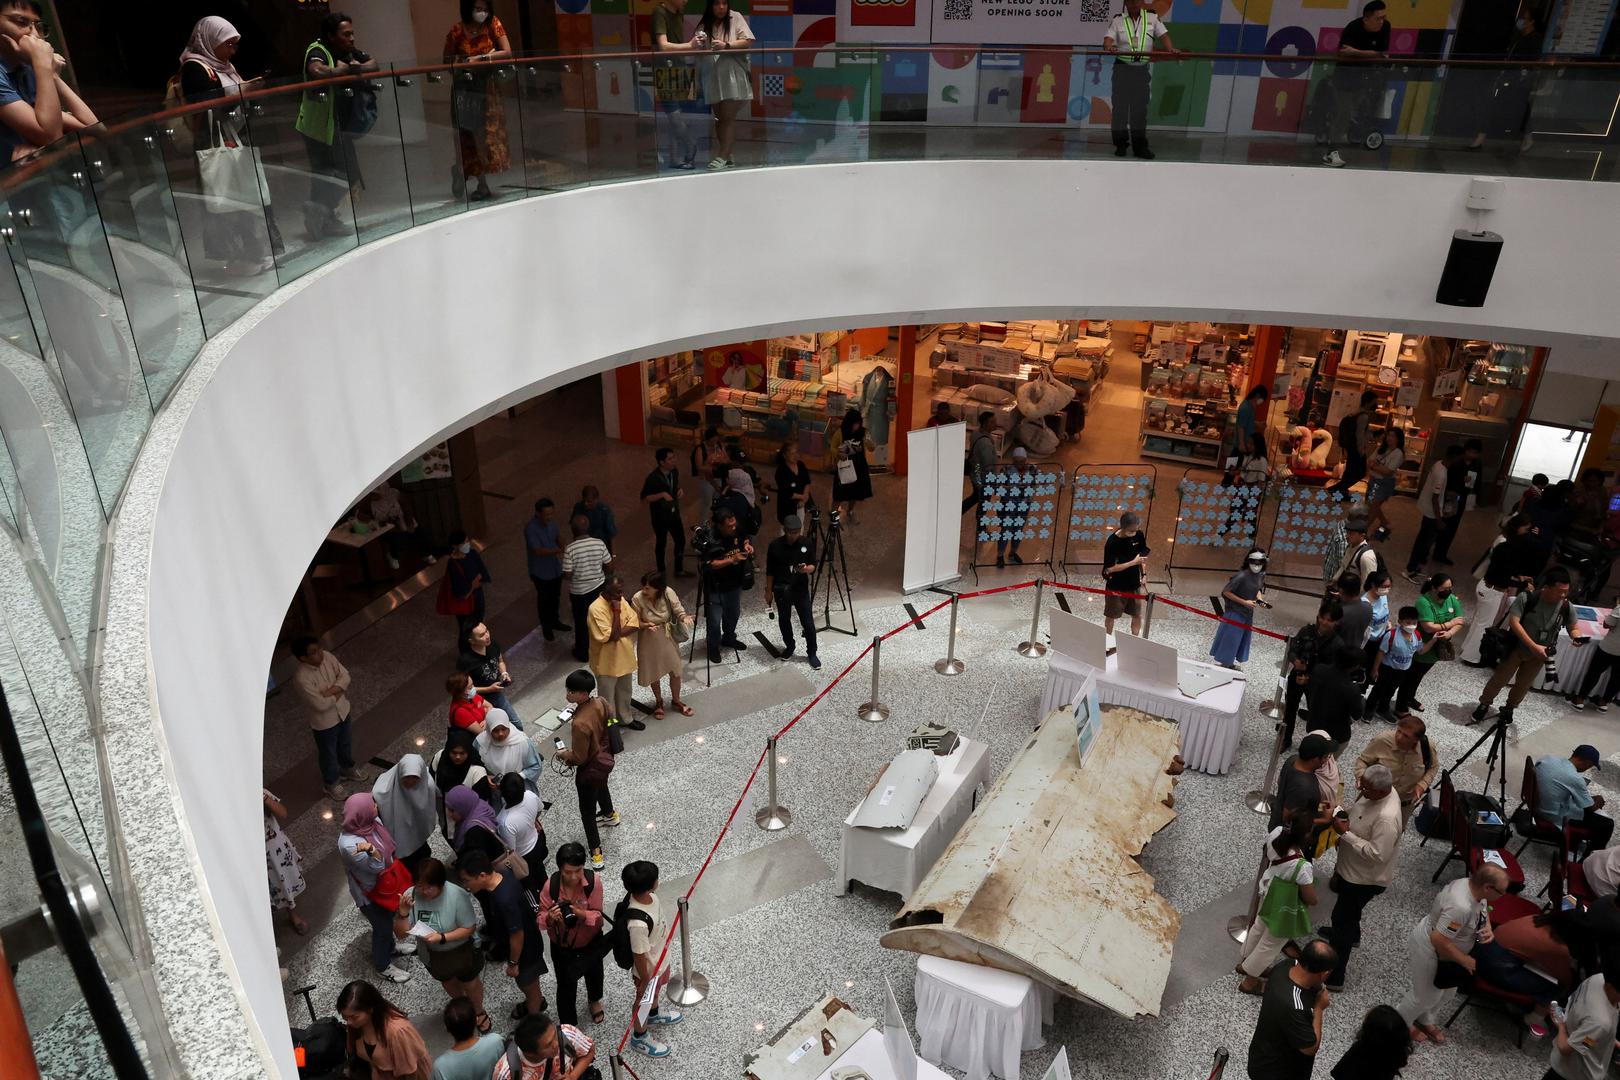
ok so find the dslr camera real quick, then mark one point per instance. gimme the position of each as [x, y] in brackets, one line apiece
[570, 917]
[1551, 670]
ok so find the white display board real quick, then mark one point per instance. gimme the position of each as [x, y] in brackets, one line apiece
[1153, 662]
[1079, 639]
[934, 459]
[1027, 22]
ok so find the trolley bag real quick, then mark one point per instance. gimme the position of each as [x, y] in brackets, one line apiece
[320, 1049]
[1475, 806]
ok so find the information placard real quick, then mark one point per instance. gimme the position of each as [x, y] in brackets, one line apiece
[1026, 22]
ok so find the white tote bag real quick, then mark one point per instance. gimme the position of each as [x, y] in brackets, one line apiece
[231, 172]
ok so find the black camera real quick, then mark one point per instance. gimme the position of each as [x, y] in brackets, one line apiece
[703, 539]
[833, 520]
[1551, 670]
[570, 917]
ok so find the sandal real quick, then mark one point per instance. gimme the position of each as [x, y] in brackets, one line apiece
[1418, 1034]
[658, 712]
[682, 707]
[598, 1015]
[484, 1024]
[1435, 1034]
[300, 925]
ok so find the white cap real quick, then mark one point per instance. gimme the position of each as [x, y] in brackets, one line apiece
[1020, 454]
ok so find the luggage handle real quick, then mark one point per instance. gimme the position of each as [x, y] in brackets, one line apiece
[305, 991]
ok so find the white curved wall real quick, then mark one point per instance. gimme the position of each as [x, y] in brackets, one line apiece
[356, 367]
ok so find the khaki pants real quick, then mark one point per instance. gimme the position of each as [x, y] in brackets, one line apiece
[616, 691]
[1520, 668]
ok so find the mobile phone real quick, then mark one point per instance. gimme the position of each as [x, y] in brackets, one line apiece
[558, 743]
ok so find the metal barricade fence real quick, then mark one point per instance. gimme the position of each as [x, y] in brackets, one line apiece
[1098, 495]
[1018, 506]
[1215, 524]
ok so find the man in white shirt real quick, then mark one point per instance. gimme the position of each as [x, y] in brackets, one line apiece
[1602, 870]
[1131, 37]
[1432, 504]
[321, 683]
[1369, 840]
[584, 564]
[1585, 1039]
[644, 925]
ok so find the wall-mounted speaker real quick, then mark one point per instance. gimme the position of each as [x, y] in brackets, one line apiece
[1469, 266]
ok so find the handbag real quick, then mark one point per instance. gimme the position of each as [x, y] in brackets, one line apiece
[468, 102]
[230, 172]
[1283, 912]
[846, 471]
[448, 603]
[678, 630]
[1445, 649]
[391, 885]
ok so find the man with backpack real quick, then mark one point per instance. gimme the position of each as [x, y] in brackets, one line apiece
[1360, 557]
[980, 460]
[330, 119]
[1533, 621]
[542, 1050]
[571, 912]
[638, 947]
[1355, 441]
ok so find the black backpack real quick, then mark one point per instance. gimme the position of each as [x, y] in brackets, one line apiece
[620, 934]
[1378, 556]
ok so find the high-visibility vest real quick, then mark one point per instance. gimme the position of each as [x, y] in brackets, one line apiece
[317, 115]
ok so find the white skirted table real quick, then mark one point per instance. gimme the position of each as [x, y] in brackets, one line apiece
[1211, 724]
[978, 1020]
[898, 859]
[1573, 662]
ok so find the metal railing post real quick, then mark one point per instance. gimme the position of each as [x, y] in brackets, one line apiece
[773, 816]
[1147, 619]
[1260, 800]
[1034, 647]
[874, 709]
[613, 1062]
[689, 987]
[950, 665]
[1238, 925]
[1272, 708]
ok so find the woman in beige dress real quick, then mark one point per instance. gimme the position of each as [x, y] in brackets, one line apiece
[657, 655]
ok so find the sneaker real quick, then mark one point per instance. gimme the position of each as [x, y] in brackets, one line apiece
[687, 164]
[1382, 534]
[646, 1044]
[1480, 712]
[1332, 160]
[353, 772]
[335, 792]
[405, 947]
[608, 821]
[1602, 706]
[714, 657]
[1014, 556]
[548, 635]
[638, 724]
[1334, 986]
[1415, 578]
[667, 1017]
[395, 974]
[1145, 154]
[597, 862]
[1121, 151]
[815, 662]
[733, 643]
[1578, 704]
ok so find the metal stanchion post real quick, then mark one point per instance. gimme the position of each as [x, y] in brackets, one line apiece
[613, 1063]
[1260, 800]
[1147, 620]
[772, 817]
[950, 665]
[1273, 707]
[874, 709]
[1238, 925]
[1034, 648]
[689, 987]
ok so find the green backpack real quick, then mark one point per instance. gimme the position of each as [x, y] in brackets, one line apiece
[1283, 910]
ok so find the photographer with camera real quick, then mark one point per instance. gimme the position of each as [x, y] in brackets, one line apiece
[571, 912]
[728, 568]
[542, 1050]
[1527, 643]
[789, 562]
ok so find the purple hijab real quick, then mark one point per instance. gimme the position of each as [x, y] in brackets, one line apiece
[471, 810]
[360, 819]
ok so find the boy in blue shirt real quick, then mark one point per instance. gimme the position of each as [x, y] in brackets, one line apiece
[1392, 663]
[36, 106]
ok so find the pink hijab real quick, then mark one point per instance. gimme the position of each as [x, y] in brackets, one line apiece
[360, 819]
[206, 37]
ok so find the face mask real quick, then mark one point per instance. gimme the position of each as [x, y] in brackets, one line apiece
[480, 16]
[465, 549]
[1257, 566]
[1408, 629]
[1444, 594]
[468, 693]
[1380, 592]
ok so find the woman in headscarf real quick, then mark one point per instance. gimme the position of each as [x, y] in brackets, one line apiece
[207, 72]
[505, 750]
[408, 803]
[459, 765]
[367, 851]
[472, 823]
[1331, 785]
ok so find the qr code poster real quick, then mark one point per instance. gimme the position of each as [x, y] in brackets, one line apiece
[1028, 22]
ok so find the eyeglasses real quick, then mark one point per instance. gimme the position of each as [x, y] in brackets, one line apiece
[23, 22]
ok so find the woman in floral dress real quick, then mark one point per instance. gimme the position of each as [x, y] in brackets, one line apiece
[476, 108]
[284, 864]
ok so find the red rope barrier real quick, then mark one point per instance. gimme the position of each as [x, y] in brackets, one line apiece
[1223, 619]
[626, 1066]
[824, 692]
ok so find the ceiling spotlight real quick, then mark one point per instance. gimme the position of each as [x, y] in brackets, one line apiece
[420, 741]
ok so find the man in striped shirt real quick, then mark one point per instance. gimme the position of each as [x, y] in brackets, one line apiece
[543, 1050]
[1289, 1031]
[584, 564]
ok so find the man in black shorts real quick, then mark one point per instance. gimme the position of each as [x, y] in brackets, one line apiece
[512, 922]
[1124, 555]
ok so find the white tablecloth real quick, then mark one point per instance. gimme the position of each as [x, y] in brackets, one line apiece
[1573, 662]
[868, 1054]
[897, 859]
[978, 1020]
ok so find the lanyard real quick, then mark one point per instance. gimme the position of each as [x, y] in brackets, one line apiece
[1140, 40]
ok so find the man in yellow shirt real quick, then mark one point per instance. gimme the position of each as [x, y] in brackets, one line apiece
[613, 625]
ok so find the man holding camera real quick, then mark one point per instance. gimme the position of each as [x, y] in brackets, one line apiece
[789, 562]
[509, 921]
[727, 562]
[1533, 620]
[571, 912]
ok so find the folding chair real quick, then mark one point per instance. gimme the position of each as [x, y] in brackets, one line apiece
[1465, 846]
[1526, 822]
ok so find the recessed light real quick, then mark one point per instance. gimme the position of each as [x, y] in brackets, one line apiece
[421, 741]
[698, 740]
[326, 814]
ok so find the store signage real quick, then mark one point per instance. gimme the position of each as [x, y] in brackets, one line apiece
[895, 21]
[1027, 22]
[883, 13]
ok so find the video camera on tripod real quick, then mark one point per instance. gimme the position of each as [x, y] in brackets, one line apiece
[709, 544]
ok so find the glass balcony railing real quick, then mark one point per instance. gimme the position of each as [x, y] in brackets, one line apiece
[129, 245]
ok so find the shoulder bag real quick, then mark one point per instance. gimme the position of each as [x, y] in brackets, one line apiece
[678, 632]
[1283, 911]
[509, 861]
[391, 886]
[230, 172]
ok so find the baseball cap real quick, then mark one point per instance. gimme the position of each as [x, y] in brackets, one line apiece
[1020, 454]
[793, 521]
[1588, 752]
[1356, 524]
[1312, 746]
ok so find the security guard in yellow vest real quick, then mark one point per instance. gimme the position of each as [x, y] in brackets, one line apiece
[1131, 38]
[329, 119]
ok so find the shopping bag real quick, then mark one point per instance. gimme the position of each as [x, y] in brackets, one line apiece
[674, 83]
[231, 172]
[846, 471]
[1283, 911]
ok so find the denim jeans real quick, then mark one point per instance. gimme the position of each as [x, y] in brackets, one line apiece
[333, 751]
[382, 934]
[498, 700]
[720, 617]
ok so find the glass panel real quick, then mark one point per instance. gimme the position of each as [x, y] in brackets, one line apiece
[554, 128]
[143, 232]
[487, 129]
[618, 148]
[371, 123]
[432, 161]
[310, 171]
[669, 89]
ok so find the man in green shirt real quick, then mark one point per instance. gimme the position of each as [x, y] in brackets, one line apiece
[1534, 619]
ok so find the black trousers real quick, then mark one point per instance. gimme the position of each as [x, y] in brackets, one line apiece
[547, 595]
[1131, 85]
[1599, 829]
[594, 798]
[1409, 685]
[1355, 468]
[1383, 691]
[1448, 533]
[1345, 933]
[668, 525]
[1601, 662]
[572, 965]
[1296, 691]
[789, 601]
[1427, 532]
[581, 606]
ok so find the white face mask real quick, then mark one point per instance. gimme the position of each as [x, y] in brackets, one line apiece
[480, 16]
[1256, 566]
[468, 693]
[465, 549]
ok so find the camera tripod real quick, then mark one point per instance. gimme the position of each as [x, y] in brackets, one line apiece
[832, 570]
[1495, 758]
[698, 619]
